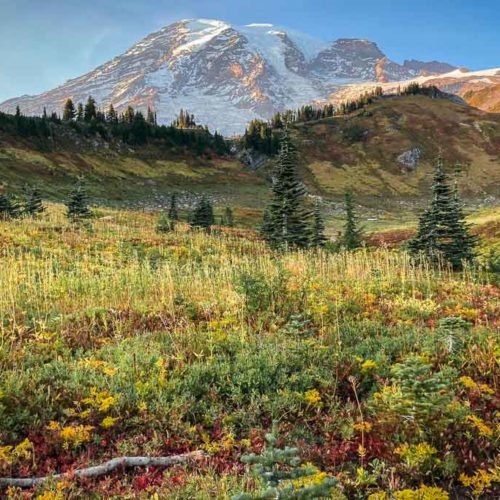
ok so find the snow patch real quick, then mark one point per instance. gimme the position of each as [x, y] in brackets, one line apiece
[259, 25]
[199, 33]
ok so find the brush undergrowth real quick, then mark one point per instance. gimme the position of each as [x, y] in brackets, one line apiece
[117, 340]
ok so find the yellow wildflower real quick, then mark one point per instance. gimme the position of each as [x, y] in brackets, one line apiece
[417, 455]
[368, 365]
[313, 397]
[362, 426]
[481, 480]
[109, 422]
[478, 423]
[423, 493]
[75, 435]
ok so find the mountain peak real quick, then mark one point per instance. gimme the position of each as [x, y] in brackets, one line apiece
[226, 75]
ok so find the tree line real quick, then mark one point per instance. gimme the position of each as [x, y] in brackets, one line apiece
[79, 212]
[442, 235]
[131, 127]
[264, 136]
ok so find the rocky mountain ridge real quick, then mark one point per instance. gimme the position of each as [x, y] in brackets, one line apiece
[227, 75]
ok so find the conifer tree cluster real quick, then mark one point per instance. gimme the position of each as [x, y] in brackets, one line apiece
[286, 223]
[184, 120]
[29, 205]
[442, 231]
[264, 136]
[260, 136]
[284, 476]
[131, 127]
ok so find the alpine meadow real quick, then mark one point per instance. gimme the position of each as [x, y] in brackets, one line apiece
[239, 261]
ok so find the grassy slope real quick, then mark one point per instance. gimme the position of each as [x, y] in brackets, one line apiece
[121, 175]
[462, 134]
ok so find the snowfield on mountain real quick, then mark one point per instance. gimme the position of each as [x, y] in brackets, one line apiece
[228, 74]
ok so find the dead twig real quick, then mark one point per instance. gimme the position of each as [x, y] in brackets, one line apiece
[105, 468]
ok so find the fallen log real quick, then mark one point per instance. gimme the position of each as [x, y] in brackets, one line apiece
[105, 468]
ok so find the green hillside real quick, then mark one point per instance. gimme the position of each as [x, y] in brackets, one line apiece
[361, 150]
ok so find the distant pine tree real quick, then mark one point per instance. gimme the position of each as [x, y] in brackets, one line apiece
[5, 207]
[79, 112]
[69, 111]
[90, 110]
[78, 203]
[203, 216]
[128, 116]
[442, 230]
[9, 208]
[151, 117]
[286, 226]
[318, 238]
[111, 115]
[352, 237]
[34, 205]
[172, 211]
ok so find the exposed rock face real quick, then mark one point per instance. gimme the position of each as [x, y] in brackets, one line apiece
[410, 158]
[427, 68]
[226, 75]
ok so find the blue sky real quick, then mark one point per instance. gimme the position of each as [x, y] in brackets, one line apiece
[45, 42]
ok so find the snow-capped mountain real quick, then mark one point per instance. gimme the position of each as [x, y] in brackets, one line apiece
[467, 85]
[226, 75]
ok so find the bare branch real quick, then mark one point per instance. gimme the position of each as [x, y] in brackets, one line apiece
[106, 468]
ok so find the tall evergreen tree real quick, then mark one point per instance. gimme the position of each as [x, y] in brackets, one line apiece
[352, 237]
[79, 112]
[34, 205]
[203, 216]
[172, 211]
[5, 207]
[287, 218]
[9, 208]
[128, 116]
[69, 111]
[442, 230]
[111, 115]
[151, 116]
[90, 111]
[78, 209]
[318, 238]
